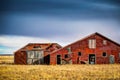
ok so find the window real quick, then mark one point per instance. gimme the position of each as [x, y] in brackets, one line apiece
[33, 56]
[69, 50]
[37, 47]
[104, 54]
[36, 54]
[66, 55]
[92, 43]
[79, 53]
[41, 54]
[104, 42]
[29, 61]
[30, 54]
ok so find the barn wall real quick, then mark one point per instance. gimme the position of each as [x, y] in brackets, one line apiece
[110, 49]
[53, 59]
[20, 57]
[82, 46]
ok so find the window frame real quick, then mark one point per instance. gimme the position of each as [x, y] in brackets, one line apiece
[66, 56]
[92, 43]
[105, 54]
[104, 42]
[79, 53]
[30, 54]
[37, 55]
[69, 50]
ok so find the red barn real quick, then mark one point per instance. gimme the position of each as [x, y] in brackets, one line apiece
[35, 53]
[93, 49]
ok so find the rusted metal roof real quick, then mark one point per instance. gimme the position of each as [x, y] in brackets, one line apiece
[36, 46]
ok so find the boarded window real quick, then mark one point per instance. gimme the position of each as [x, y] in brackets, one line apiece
[79, 53]
[66, 56]
[30, 54]
[36, 54]
[104, 54]
[104, 42]
[29, 61]
[35, 57]
[41, 54]
[92, 43]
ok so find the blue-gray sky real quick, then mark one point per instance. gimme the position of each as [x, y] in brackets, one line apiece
[61, 21]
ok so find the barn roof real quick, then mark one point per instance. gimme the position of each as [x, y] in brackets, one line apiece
[96, 33]
[36, 46]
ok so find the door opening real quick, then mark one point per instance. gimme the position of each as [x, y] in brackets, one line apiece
[58, 59]
[91, 58]
[47, 59]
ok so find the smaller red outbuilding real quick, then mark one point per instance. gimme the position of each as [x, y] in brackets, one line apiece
[35, 53]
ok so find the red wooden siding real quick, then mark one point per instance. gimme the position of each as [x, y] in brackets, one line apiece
[20, 56]
[111, 48]
[55, 54]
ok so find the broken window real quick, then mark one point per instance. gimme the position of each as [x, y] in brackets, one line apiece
[34, 57]
[36, 47]
[92, 43]
[66, 56]
[79, 53]
[104, 54]
[30, 54]
[36, 54]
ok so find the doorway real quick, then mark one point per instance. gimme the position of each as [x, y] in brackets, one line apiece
[91, 58]
[47, 59]
[58, 59]
[112, 59]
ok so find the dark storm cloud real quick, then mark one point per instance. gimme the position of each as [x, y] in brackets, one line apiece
[65, 8]
[61, 21]
[48, 17]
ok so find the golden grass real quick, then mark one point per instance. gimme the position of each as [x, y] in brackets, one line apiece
[60, 72]
[6, 59]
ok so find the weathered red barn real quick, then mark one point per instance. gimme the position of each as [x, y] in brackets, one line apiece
[93, 49]
[35, 53]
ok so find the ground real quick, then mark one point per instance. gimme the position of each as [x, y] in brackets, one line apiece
[60, 72]
[6, 59]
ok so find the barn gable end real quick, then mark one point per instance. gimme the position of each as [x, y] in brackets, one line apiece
[34, 53]
[93, 49]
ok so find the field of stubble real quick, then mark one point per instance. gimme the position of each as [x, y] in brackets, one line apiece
[59, 72]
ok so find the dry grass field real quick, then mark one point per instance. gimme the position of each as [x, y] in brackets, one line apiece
[59, 72]
[6, 59]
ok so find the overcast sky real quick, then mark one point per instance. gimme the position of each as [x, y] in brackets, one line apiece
[61, 21]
